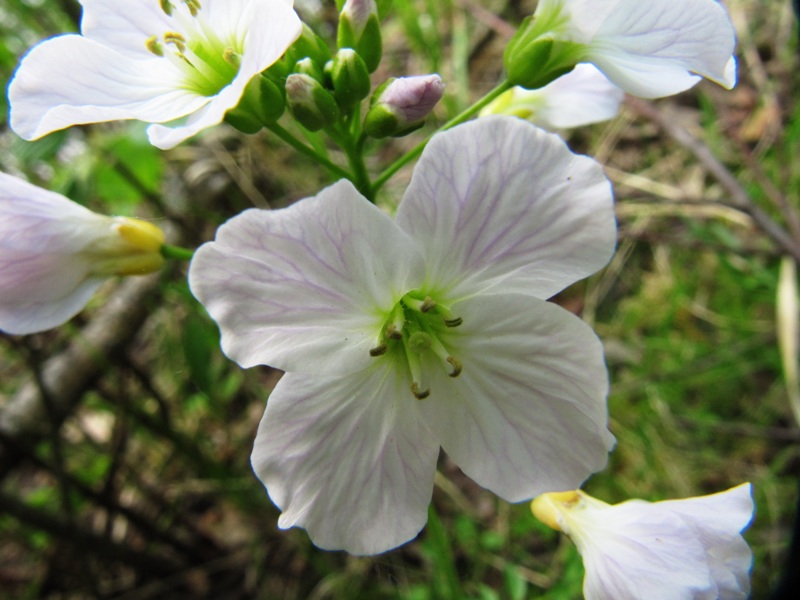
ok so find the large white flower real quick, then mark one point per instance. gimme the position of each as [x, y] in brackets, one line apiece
[431, 329]
[581, 97]
[55, 253]
[152, 60]
[689, 549]
[649, 49]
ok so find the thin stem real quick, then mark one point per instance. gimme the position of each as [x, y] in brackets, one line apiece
[301, 147]
[457, 120]
[353, 145]
[176, 252]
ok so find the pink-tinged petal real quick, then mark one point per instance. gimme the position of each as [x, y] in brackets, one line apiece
[635, 550]
[498, 202]
[527, 414]
[71, 80]
[306, 288]
[347, 458]
[655, 49]
[268, 28]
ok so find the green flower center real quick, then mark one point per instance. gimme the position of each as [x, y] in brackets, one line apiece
[413, 332]
[207, 63]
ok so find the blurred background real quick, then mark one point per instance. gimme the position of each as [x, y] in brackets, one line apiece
[125, 435]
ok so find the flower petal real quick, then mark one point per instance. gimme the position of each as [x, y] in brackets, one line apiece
[306, 288]
[635, 550]
[527, 414]
[125, 27]
[71, 80]
[499, 202]
[347, 458]
[654, 49]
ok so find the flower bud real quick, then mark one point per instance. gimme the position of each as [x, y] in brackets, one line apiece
[308, 67]
[400, 105]
[350, 78]
[360, 29]
[311, 104]
[310, 45]
[533, 58]
[262, 104]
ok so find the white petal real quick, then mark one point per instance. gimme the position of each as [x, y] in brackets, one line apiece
[306, 288]
[527, 414]
[652, 49]
[717, 521]
[581, 97]
[634, 550]
[125, 26]
[499, 202]
[268, 28]
[347, 458]
[70, 80]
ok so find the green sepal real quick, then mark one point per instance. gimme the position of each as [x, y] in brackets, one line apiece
[367, 42]
[381, 122]
[310, 45]
[262, 104]
[350, 78]
[311, 105]
[307, 66]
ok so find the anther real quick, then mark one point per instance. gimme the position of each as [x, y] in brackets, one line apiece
[393, 333]
[428, 304]
[456, 364]
[453, 321]
[378, 350]
[193, 6]
[232, 57]
[167, 7]
[419, 395]
[172, 37]
[154, 46]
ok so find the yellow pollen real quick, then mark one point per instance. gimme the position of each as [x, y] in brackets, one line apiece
[193, 6]
[175, 38]
[154, 46]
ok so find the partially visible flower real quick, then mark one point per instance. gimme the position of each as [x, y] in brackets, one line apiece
[156, 61]
[688, 549]
[581, 97]
[401, 105]
[360, 29]
[649, 49]
[398, 336]
[55, 253]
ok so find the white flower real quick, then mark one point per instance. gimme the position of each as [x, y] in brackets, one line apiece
[581, 97]
[402, 335]
[649, 49]
[690, 549]
[55, 253]
[152, 60]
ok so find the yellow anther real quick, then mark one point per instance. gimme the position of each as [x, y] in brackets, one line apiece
[176, 39]
[232, 57]
[419, 395]
[193, 6]
[154, 46]
[140, 235]
[548, 508]
[167, 7]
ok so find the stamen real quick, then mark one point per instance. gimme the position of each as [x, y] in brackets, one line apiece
[451, 321]
[167, 7]
[419, 395]
[428, 304]
[456, 364]
[232, 57]
[393, 333]
[193, 6]
[379, 350]
[154, 46]
[175, 38]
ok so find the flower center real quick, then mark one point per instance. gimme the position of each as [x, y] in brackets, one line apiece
[412, 332]
[206, 62]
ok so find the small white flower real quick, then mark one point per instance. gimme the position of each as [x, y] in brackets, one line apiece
[55, 253]
[650, 48]
[690, 549]
[398, 336]
[581, 97]
[152, 60]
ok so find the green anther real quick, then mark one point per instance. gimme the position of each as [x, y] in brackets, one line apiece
[453, 321]
[419, 342]
[232, 57]
[167, 7]
[154, 46]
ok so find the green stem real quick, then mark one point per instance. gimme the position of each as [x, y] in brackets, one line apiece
[417, 150]
[353, 146]
[301, 147]
[176, 252]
